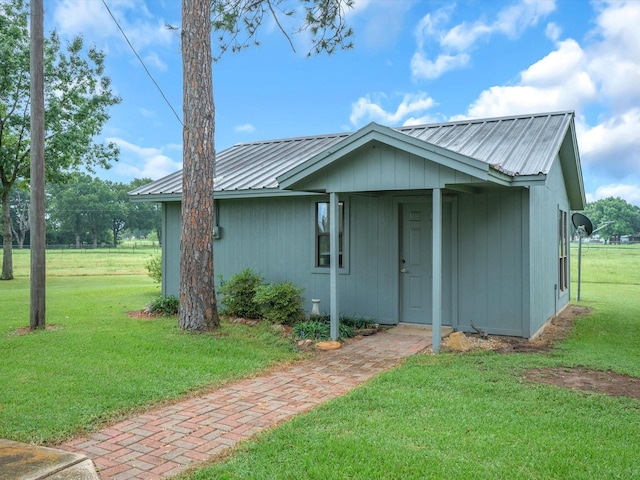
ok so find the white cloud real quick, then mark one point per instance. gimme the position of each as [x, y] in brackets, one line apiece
[92, 20]
[455, 42]
[245, 127]
[153, 59]
[553, 31]
[513, 20]
[369, 18]
[422, 67]
[615, 53]
[629, 193]
[559, 81]
[613, 146]
[366, 109]
[136, 161]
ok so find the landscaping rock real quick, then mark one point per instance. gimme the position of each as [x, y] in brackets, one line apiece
[365, 332]
[328, 345]
[305, 344]
[457, 342]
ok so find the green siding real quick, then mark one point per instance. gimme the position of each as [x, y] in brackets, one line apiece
[544, 204]
[379, 167]
[171, 249]
[500, 246]
[491, 284]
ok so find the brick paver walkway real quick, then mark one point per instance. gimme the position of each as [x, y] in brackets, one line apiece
[166, 441]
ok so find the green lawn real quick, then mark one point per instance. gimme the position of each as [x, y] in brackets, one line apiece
[470, 416]
[474, 416]
[99, 364]
[125, 260]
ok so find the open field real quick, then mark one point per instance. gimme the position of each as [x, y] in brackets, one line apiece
[124, 260]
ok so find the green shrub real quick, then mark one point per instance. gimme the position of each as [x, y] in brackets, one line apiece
[166, 306]
[312, 329]
[356, 323]
[238, 294]
[280, 302]
[154, 266]
[320, 330]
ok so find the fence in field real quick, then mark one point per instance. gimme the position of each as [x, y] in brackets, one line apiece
[127, 247]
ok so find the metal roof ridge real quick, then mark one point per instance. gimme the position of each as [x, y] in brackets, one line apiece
[290, 139]
[486, 119]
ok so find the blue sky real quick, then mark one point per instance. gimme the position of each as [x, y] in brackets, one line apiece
[414, 61]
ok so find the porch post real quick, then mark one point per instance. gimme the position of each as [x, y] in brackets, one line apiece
[436, 321]
[334, 228]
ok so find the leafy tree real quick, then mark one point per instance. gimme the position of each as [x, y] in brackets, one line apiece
[77, 99]
[19, 206]
[625, 217]
[144, 216]
[237, 24]
[86, 209]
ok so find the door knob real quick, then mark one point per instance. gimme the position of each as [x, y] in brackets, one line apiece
[404, 270]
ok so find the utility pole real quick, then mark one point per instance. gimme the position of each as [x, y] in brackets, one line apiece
[38, 241]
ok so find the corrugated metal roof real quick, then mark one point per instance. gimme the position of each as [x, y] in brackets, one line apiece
[518, 145]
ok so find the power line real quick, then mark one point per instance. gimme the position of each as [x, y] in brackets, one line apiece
[142, 62]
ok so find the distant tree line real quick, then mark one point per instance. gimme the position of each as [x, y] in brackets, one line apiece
[624, 218]
[87, 211]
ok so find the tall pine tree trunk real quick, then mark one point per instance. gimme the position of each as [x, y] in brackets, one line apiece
[7, 252]
[198, 309]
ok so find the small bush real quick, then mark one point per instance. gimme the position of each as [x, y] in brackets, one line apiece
[312, 329]
[280, 302]
[166, 306]
[238, 294]
[154, 266]
[318, 330]
[356, 323]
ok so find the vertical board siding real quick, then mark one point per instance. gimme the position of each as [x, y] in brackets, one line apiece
[490, 276]
[171, 249]
[276, 238]
[371, 288]
[545, 201]
[379, 167]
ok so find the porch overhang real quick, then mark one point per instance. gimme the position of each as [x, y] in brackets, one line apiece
[296, 177]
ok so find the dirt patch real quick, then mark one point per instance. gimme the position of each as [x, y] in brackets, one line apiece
[26, 330]
[555, 332]
[579, 378]
[143, 315]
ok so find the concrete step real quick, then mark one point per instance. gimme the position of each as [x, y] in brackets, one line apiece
[20, 461]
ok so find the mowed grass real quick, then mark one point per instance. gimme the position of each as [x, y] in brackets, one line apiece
[474, 416]
[126, 260]
[98, 364]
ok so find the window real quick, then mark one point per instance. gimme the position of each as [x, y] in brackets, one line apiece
[563, 249]
[323, 231]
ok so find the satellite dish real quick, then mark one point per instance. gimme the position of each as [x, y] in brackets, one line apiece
[580, 220]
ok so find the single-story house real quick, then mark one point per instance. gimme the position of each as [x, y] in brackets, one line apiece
[446, 224]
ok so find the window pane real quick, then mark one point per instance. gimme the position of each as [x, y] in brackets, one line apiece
[323, 229]
[324, 257]
[322, 217]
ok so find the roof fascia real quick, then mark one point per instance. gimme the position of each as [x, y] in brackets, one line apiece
[160, 197]
[260, 193]
[387, 136]
[570, 163]
[528, 180]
